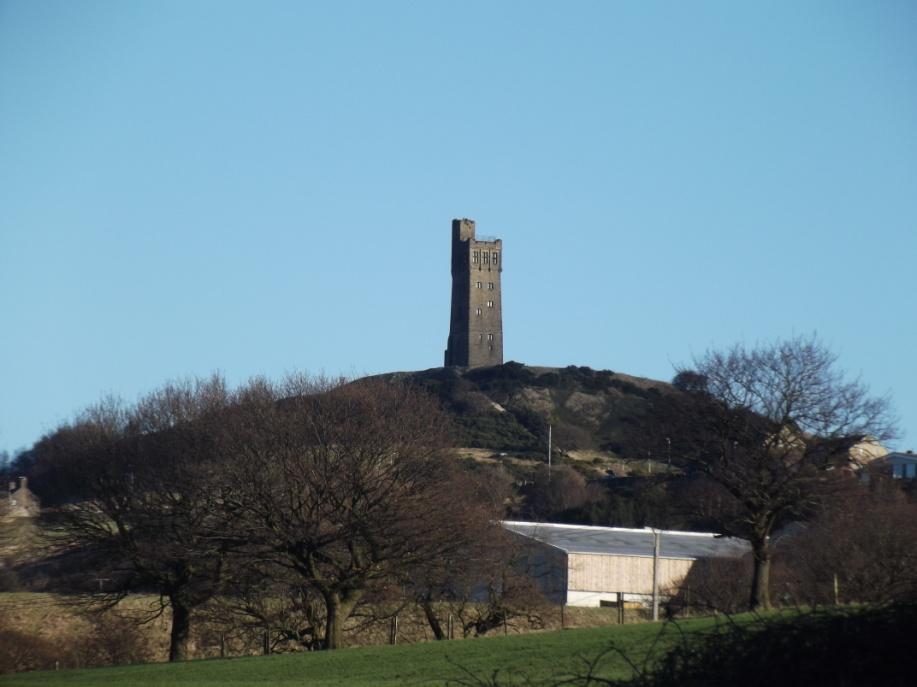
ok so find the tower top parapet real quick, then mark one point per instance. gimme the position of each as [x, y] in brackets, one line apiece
[462, 230]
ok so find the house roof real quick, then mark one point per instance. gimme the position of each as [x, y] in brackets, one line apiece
[900, 458]
[618, 541]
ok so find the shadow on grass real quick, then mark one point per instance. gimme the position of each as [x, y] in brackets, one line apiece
[843, 647]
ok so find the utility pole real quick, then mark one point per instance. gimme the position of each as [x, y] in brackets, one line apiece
[655, 574]
[549, 453]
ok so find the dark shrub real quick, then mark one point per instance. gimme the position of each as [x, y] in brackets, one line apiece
[690, 382]
[850, 647]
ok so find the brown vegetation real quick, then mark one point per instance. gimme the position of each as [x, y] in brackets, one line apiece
[328, 493]
[348, 491]
[766, 427]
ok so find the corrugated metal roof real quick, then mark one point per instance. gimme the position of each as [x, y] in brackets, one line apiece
[629, 542]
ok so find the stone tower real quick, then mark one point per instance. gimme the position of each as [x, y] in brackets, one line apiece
[476, 324]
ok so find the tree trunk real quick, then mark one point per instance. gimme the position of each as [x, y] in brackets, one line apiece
[338, 609]
[179, 640]
[760, 581]
[432, 619]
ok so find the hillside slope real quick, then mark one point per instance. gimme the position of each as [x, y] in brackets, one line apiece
[509, 407]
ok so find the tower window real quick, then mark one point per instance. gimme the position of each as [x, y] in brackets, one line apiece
[490, 286]
[486, 257]
[490, 304]
[490, 337]
[479, 312]
[475, 256]
[496, 258]
[480, 337]
[479, 285]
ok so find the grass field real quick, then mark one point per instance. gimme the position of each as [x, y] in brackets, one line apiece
[535, 656]
[61, 621]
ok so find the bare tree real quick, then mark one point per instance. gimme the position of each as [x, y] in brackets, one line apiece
[152, 501]
[266, 606]
[347, 487]
[465, 581]
[503, 588]
[765, 426]
[861, 548]
[554, 491]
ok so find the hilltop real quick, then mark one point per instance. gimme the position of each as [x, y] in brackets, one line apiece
[595, 415]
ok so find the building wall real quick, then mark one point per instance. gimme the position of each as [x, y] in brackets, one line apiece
[596, 599]
[903, 466]
[476, 320]
[546, 566]
[592, 577]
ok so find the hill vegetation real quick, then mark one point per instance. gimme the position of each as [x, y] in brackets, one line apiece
[509, 407]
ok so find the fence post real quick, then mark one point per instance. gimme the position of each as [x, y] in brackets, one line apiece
[393, 630]
[620, 608]
[450, 633]
[655, 574]
[222, 645]
[563, 620]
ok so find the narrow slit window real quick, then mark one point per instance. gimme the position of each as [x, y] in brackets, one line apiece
[490, 304]
[479, 285]
[490, 286]
[496, 258]
[479, 312]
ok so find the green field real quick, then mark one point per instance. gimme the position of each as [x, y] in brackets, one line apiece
[533, 656]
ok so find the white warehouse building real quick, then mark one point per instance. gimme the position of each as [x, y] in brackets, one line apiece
[594, 566]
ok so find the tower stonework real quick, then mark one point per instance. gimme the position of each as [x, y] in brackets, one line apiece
[476, 323]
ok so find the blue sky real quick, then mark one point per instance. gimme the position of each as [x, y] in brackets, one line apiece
[259, 187]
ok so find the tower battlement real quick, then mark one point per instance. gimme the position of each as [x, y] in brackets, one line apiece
[476, 321]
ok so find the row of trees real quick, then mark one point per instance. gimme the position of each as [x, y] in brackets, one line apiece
[329, 492]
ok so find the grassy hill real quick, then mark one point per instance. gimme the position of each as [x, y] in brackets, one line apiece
[536, 657]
